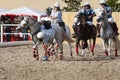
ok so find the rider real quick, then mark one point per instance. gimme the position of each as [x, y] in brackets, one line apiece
[56, 14]
[89, 12]
[76, 22]
[110, 19]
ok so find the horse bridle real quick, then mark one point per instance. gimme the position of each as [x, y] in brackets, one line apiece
[28, 22]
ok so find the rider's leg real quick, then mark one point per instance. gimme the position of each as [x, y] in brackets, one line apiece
[74, 25]
[113, 25]
[98, 27]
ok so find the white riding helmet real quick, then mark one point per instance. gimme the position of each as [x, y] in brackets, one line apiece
[86, 4]
[102, 2]
[57, 4]
[40, 35]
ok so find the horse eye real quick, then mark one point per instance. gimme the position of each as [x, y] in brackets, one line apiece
[103, 13]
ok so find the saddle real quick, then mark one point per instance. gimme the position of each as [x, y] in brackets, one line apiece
[47, 24]
[62, 24]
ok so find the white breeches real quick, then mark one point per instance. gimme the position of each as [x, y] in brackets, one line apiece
[89, 22]
[111, 20]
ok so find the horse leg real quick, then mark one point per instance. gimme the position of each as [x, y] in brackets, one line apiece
[37, 55]
[57, 48]
[45, 57]
[93, 46]
[85, 45]
[70, 49]
[77, 44]
[52, 51]
[89, 44]
[109, 46]
[61, 50]
[49, 50]
[104, 47]
[34, 50]
[115, 43]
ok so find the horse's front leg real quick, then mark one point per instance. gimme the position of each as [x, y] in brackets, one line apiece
[115, 43]
[109, 46]
[37, 55]
[35, 52]
[46, 55]
[84, 46]
[61, 50]
[77, 44]
[93, 46]
[104, 47]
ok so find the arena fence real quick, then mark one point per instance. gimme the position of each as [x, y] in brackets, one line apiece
[68, 18]
[12, 43]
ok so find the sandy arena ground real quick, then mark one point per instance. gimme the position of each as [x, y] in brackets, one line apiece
[17, 63]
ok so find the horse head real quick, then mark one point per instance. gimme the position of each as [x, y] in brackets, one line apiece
[26, 22]
[82, 18]
[48, 11]
[102, 15]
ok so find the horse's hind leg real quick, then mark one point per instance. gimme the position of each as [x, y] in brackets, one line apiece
[109, 46]
[61, 50]
[70, 49]
[77, 44]
[115, 43]
[93, 46]
[104, 47]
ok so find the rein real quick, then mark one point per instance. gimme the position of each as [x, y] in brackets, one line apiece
[31, 25]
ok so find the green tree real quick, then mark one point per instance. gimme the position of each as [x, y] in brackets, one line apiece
[72, 5]
[114, 5]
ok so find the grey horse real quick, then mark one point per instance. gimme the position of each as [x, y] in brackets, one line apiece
[106, 33]
[59, 36]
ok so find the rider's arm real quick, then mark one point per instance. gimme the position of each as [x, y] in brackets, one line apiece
[93, 14]
[109, 11]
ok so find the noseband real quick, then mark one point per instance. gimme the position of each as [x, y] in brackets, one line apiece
[28, 22]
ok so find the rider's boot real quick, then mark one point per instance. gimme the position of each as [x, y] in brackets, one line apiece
[115, 29]
[74, 29]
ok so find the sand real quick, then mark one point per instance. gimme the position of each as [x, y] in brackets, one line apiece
[17, 63]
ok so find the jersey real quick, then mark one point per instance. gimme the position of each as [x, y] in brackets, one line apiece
[58, 15]
[108, 9]
[89, 12]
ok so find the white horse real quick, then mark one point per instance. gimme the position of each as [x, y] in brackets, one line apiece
[106, 33]
[46, 36]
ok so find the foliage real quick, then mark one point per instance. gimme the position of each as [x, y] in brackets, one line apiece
[72, 5]
[114, 5]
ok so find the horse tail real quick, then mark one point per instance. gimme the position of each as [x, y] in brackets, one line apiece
[68, 35]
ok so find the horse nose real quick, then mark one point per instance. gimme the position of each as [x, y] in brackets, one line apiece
[18, 28]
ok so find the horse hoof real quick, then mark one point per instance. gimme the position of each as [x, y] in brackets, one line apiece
[34, 55]
[37, 59]
[44, 58]
[61, 57]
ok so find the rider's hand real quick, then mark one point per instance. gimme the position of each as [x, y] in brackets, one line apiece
[90, 16]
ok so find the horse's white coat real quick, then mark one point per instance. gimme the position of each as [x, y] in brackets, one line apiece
[106, 32]
[56, 32]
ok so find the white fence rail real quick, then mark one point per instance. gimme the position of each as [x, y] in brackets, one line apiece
[15, 43]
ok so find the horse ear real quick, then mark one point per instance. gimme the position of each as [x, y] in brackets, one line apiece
[105, 11]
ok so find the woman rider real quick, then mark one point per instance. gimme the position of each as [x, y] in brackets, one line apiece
[110, 18]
